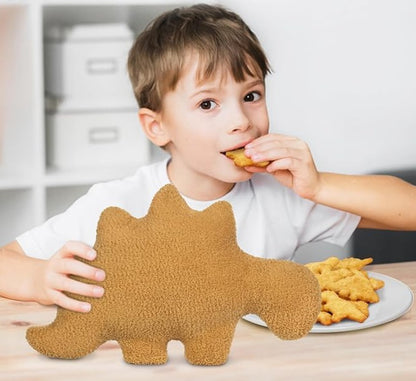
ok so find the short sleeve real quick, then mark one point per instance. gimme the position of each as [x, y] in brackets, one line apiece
[79, 221]
[300, 220]
[322, 223]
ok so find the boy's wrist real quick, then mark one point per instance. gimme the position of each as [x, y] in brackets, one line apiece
[30, 279]
[17, 275]
[34, 280]
[318, 195]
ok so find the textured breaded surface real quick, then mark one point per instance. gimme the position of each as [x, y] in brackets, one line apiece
[241, 160]
[346, 289]
[178, 274]
[341, 309]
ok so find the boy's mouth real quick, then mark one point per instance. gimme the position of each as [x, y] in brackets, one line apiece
[235, 148]
[239, 158]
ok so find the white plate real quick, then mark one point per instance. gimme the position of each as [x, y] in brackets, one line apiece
[396, 299]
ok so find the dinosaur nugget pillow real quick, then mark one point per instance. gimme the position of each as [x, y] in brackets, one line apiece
[178, 274]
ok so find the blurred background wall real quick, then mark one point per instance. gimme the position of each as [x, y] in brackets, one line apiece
[344, 81]
[344, 78]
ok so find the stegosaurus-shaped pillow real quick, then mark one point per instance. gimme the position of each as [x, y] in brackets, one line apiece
[178, 274]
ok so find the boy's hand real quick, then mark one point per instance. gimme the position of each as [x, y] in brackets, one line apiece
[291, 162]
[52, 277]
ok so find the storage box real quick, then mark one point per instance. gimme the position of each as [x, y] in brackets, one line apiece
[88, 64]
[85, 140]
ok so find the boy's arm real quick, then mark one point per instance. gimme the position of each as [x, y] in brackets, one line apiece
[16, 272]
[30, 279]
[383, 202]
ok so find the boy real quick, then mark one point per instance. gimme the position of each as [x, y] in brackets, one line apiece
[198, 75]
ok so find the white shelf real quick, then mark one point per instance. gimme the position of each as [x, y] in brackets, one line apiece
[15, 180]
[121, 3]
[30, 191]
[59, 178]
[18, 205]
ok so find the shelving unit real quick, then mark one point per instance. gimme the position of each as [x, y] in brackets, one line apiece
[30, 191]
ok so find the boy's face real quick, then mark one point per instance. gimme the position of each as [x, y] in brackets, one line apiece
[205, 119]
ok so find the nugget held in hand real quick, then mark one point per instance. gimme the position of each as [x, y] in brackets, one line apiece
[241, 160]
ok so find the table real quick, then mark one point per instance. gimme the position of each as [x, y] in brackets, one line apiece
[381, 353]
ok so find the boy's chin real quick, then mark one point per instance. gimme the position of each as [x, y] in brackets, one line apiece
[239, 175]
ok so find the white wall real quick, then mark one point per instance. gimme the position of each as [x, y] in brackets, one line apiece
[344, 81]
[344, 77]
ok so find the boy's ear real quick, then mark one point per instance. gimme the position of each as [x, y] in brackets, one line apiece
[150, 121]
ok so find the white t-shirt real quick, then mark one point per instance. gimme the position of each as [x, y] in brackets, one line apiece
[271, 220]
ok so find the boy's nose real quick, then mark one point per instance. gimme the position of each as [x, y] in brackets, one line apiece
[239, 122]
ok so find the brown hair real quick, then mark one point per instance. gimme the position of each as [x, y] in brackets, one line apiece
[221, 39]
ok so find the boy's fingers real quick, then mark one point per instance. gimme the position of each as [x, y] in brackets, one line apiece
[79, 249]
[74, 267]
[277, 141]
[68, 303]
[272, 138]
[253, 169]
[75, 287]
[272, 150]
[282, 164]
[276, 153]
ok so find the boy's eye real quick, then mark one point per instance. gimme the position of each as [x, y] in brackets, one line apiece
[207, 105]
[252, 97]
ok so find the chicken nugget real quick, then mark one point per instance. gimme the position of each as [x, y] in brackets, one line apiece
[341, 309]
[325, 318]
[353, 263]
[346, 289]
[241, 160]
[354, 287]
[376, 283]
